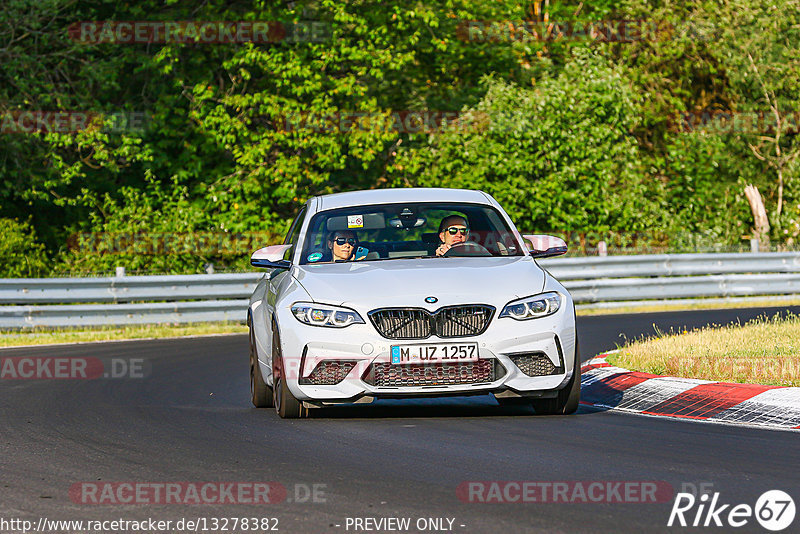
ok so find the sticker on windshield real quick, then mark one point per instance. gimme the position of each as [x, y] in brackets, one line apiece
[316, 256]
[355, 221]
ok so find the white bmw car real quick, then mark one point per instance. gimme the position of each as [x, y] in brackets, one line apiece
[401, 293]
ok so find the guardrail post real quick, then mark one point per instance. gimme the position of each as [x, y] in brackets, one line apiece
[602, 249]
[120, 272]
[754, 245]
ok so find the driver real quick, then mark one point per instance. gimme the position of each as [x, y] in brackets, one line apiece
[342, 244]
[453, 230]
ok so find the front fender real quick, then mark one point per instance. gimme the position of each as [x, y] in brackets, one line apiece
[271, 293]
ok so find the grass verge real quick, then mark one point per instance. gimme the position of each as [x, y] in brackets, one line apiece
[116, 333]
[698, 304]
[761, 351]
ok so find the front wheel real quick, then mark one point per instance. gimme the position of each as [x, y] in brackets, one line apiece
[568, 398]
[260, 392]
[287, 406]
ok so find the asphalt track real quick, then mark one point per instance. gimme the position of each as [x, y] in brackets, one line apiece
[190, 420]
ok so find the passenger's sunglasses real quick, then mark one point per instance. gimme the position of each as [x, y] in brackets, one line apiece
[453, 230]
[342, 240]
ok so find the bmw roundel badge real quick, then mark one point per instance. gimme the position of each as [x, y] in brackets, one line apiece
[431, 300]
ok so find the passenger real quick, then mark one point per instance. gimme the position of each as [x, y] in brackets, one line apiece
[343, 245]
[452, 230]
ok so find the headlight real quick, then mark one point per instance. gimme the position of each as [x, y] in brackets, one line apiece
[323, 315]
[540, 305]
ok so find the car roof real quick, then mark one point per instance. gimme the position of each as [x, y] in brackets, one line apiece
[399, 195]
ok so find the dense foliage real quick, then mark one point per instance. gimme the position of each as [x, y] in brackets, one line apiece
[589, 135]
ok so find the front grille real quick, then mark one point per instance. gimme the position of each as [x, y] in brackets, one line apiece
[462, 321]
[444, 374]
[412, 323]
[418, 323]
[535, 364]
[328, 373]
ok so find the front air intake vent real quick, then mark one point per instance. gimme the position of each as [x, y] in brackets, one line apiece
[328, 373]
[445, 374]
[535, 364]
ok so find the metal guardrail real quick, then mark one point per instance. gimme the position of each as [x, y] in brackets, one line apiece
[639, 289]
[671, 265]
[127, 288]
[593, 281]
[206, 311]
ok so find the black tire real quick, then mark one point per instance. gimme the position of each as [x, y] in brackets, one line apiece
[260, 392]
[287, 406]
[568, 398]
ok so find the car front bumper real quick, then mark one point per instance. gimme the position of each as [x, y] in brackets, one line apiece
[360, 345]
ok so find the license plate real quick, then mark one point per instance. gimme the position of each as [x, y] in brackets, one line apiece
[435, 353]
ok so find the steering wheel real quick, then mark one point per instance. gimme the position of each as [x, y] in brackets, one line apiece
[467, 248]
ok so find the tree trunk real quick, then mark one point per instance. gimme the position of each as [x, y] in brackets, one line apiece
[760, 219]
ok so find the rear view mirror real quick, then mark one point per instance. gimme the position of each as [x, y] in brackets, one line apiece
[545, 246]
[271, 257]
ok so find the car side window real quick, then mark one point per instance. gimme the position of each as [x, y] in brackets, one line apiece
[293, 236]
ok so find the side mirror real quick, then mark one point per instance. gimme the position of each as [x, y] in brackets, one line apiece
[271, 257]
[546, 246]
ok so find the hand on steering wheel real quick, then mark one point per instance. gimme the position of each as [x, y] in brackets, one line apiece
[466, 248]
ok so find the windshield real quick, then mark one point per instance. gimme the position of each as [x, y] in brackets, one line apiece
[416, 230]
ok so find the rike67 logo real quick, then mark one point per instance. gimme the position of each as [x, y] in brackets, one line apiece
[774, 510]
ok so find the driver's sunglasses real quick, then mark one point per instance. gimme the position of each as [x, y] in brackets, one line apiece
[453, 230]
[342, 240]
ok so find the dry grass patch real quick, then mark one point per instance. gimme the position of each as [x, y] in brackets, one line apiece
[697, 304]
[110, 333]
[763, 351]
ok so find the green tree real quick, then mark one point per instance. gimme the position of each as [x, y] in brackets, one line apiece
[560, 156]
[21, 255]
[759, 46]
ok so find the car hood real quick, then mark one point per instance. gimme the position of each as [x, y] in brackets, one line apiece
[407, 282]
